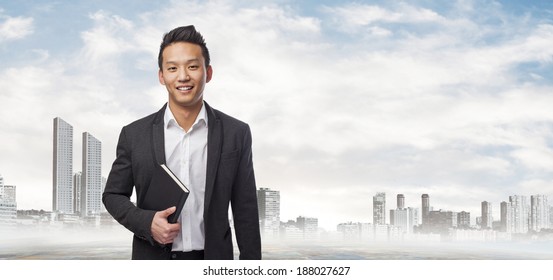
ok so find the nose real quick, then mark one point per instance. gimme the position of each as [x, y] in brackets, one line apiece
[183, 75]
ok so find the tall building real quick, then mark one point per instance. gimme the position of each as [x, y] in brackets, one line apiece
[268, 203]
[506, 217]
[379, 209]
[487, 218]
[77, 180]
[413, 216]
[463, 220]
[91, 179]
[62, 196]
[402, 218]
[425, 208]
[309, 227]
[400, 201]
[519, 214]
[539, 212]
[8, 204]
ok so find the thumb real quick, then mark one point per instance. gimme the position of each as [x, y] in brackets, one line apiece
[168, 211]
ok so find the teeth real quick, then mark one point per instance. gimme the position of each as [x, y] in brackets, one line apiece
[184, 88]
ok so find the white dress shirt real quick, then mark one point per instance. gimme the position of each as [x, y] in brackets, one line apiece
[186, 156]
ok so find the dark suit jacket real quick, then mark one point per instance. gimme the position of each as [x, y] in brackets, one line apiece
[230, 179]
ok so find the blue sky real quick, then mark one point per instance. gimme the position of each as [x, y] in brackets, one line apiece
[344, 98]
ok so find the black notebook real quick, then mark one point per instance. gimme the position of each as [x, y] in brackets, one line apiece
[165, 190]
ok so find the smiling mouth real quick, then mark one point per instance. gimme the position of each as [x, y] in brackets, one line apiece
[184, 88]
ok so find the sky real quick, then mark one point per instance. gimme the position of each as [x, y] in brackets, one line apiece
[344, 98]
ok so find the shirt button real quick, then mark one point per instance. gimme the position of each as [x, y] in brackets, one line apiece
[173, 256]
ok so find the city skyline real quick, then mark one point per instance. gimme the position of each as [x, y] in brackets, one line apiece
[517, 207]
[516, 216]
[344, 98]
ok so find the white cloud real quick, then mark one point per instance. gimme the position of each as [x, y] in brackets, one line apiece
[15, 28]
[350, 17]
[107, 39]
[379, 31]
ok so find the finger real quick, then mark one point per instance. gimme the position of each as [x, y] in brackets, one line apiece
[168, 211]
[173, 227]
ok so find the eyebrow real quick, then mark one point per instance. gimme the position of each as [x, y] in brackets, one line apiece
[187, 61]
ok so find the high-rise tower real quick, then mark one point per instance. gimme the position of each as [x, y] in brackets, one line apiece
[519, 213]
[425, 208]
[91, 185]
[506, 216]
[379, 209]
[400, 201]
[8, 205]
[487, 218]
[62, 187]
[268, 202]
[539, 212]
[404, 218]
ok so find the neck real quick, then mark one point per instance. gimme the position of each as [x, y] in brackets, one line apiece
[185, 116]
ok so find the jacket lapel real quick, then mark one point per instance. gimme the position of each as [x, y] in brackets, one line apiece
[158, 146]
[214, 146]
[158, 139]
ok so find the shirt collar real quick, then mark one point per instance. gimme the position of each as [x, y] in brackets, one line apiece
[170, 121]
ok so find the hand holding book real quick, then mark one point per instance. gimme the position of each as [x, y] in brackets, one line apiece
[162, 231]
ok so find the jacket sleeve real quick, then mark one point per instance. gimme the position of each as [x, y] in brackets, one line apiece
[244, 204]
[118, 190]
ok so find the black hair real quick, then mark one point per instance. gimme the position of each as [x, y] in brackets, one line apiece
[183, 34]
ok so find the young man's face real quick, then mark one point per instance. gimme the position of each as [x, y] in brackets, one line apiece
[184, 74]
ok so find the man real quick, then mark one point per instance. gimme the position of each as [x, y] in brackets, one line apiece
[208, 151]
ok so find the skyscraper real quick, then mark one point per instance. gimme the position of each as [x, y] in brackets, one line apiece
[413, 216]
[268, 202]
[8, 204]
[403, 218]
[62, 187]
[539, 212]
[425, 208]
[400, 201]
[379, 209]
[463, 220]
[506, 217]
[91, 185]
[487, 218]
[519, 214]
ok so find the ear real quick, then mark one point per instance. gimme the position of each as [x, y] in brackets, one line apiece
[209, 73]
[160, 76]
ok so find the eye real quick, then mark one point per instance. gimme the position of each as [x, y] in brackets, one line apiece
[171, 68]
[193, 67]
